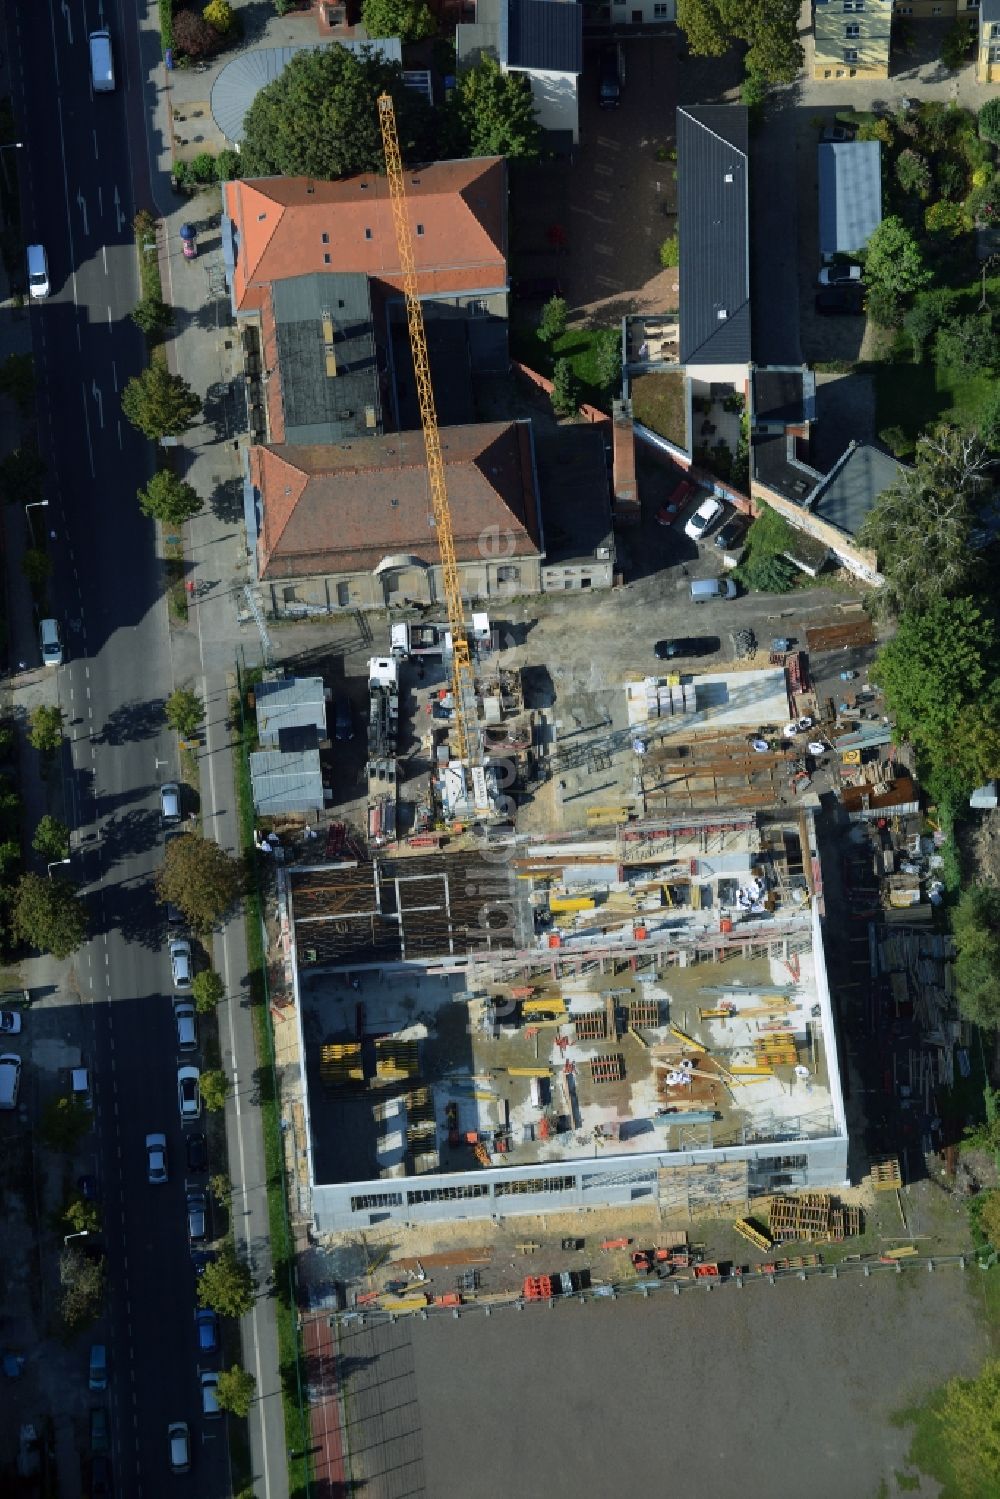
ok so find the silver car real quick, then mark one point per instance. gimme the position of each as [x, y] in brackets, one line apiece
[180, 964]
[189, 1092]
[156, 1159]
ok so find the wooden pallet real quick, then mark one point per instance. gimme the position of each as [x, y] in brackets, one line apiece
[591, 1027]
[885, 1175]
[748, 1230]
[609, 1068]
[644, 1013]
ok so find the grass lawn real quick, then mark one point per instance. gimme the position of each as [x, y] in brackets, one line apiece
[578, 345]
[658, 403]
[914, 397]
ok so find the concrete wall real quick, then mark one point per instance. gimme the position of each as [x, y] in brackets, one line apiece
[297, 597]
[594, 574]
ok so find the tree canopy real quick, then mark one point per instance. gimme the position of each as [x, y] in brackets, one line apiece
[769, 28]
[941, 678]
[200, 878]
[492, 113]
[51, 838]
[967, 1421]
[410, 20]
[169, 499]
[158, 403]
[207, 991]
[922, 528]
[320, 117]
[976, 928]
[236, 1390]
[894, 260]
[49, 915]
[214, 1088]
[185, 711]
[45, 728]
[226, 1285]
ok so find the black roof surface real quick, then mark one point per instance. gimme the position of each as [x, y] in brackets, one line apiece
[777, 395]
[545, 35]
[713, 215]
[318, 407]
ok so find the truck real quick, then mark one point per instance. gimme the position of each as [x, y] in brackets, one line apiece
[419, 640]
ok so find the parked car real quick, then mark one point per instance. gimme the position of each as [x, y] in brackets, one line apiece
[188, 1092]
[10, 1023]
[670, 650]
[98, 1378]
[343, 723]
[836, 134]
[170, 802]
[156, 1159]
[186, 1021]
[100, 1477]
[698, 524]
[845, 300]
[731, 535]
[180, 964]
[99, 1438]
[835, 275]
[196, 1149]
[210, 1407]
[610, 76]
[207, 1327]
[10, 1079]
[179, 1446]
[197, 1217]
[668, 512]
[50, 642]
[38, 272]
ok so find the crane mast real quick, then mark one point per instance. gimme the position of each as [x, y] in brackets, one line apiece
[468, 743]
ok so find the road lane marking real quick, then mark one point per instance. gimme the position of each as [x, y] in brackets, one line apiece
[81, 203]
[86, 418]
[104, 252]
[97, 154]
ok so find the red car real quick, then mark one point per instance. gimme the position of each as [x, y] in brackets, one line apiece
[668, 513]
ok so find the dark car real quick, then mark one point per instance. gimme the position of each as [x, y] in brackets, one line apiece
[846, 300]
[732, 533]
[197, 1152]
[343, 724]
[610, 76]
[100, 1478]
[536, 288]
[669, 650]
[837, 134]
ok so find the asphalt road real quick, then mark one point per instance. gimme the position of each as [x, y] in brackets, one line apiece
[77, 199]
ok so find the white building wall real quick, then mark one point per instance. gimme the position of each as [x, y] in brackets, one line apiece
[643, 12]
[557, 100]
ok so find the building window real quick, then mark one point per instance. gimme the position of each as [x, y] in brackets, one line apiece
[325, 238]
[660, 13]
[326, 257]
[854, 5]
[508, 574]
[343, 595]
[368, 234]
[852, 29]
[850, 54]
[535, 1184]
[420, 228]
[995, 54]
[376, 1200]
[995, 30]
[446, 1194]
[288, 594]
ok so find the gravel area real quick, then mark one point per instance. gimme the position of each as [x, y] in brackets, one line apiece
[729, 1394]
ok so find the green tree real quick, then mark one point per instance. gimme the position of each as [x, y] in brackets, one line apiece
[565, 389]
[226, 1285]
[21, 473]
[947, 220]
[193, 36]
[10, 859]
[45, 728]
[929, 311]
[670, 252]
[80, 1216]
[987, 423]
[884, 305]
[930, 511]
[988, 121]
[552, 324]
[82, 1281]
[957, 42]
[185, 711]
[608, 359]
[207, 990]
[492, 113]
[51, 840]
[976, 928]
[48, 915]
[160, 404]
[319, 118]
[221, 1189]
[913, 173]
[767, 573]
[200, 878]
[894, 259]
[940, 677]
[967, 344]
[65, 1121]
[967, 1427]
[769, 29]
[169, 499]
[151, 315]
[214, 1087]
[236, 1390]
[410, 20]
[989, 1217]
[37, 568]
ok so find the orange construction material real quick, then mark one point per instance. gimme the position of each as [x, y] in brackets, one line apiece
[706, 1272]
[725, 925]
[555, 940]
[615, 1243]
[537, 1288]
[450, 1298]
[640, 934]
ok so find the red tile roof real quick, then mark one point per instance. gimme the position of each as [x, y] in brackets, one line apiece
[343, 508]
[460, 244]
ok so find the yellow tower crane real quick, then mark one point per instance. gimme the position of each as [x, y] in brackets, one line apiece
[468, 741]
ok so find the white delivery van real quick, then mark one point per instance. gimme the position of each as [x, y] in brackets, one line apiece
[50, 642]
[10, 1079]
[38, 272]
[102, 63]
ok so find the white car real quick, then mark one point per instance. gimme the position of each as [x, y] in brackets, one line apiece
[187, 1026]
[180, 964]
[156, 1159]
[170, 802]
[836, 275]
[189, 1092]
[179, 1446]
[10, 1023]
[708, 511]
[210, 1407]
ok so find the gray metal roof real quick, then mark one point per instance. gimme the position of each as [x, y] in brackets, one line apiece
[241, 80]
[286, 783]
[544, 36]
[850, 195]
[288, 706]
[320, 406]
[713, 219]
[989, 12]
[852, 487]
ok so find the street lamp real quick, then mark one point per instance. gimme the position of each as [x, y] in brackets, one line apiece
[30, 506]
[55, 865]
[83, 1234]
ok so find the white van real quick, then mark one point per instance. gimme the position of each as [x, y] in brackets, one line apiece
[703, 589]
[38, 272]
[50, 642]
[10, 1079]
[102, 63]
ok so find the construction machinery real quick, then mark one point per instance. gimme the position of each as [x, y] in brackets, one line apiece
[468, 742]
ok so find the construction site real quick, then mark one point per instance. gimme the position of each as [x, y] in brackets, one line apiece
[641, 1015]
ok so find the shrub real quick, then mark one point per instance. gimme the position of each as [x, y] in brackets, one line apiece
[193, 36]
[967, 344]
[883, 306]
[952, 178]
[553, 321]
[899, 443]
[876, 130]
[767, 573]
[166, 9]
[947, 219]
[983, 203]
[203, 169]
[925, 317]
[228, 165]
[219, 15]
[988, 122]
[151, 315]
[565, 389]
[913, 173]
[608, 359]
[670, 252]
